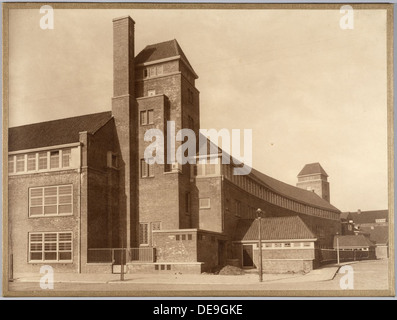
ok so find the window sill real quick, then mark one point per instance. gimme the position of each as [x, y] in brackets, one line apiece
[51, 216]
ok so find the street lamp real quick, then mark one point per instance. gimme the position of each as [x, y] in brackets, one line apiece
[259, 218]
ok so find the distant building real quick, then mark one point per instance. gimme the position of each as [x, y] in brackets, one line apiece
[354, 247]
[373, 224]
[314, 178]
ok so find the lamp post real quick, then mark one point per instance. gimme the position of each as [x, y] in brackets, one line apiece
[337, 247]
[259, 217]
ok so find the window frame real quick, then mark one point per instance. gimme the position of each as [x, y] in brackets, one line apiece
[43, 243]
[207, 206]
[43, 197]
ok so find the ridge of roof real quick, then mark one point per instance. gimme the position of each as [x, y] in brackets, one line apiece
[55, 132]
[273, 228]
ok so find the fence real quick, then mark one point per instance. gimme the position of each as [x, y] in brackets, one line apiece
[331, 255]
[118, 255]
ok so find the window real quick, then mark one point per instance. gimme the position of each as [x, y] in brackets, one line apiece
[11, 163]
[296, 244]
[278, 245]
[54, 159]
[143, 233]
[177, 237]
[20, 163]
[189, 237]
[153, 71]
[380, 220]
[51, 246]
[238, 209]
[66, 155]
[187, 202]
[268, 245]
[146, 169]
[168, 267]
[287, 245]
[183, 237]
[156, 225]
[205, 203]
[146, 117]
[31, 162]
[47, 201]
[151, 93]
[307, 244]
[42, 160]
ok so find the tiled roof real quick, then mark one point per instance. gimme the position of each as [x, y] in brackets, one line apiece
[282, 188]
[350, 242]
[162, 50]
[55, 132]
[312, 168]
[377, 234]
[308, 197]
[273, 228]
[368, 216]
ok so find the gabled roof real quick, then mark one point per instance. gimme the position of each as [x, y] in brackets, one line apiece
[368, 216]
[273, 228]
[351, 242]
[55, 132]
[377, 234]
[312, 168]
[162, 50]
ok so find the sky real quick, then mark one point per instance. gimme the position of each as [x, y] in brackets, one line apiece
[309, 90]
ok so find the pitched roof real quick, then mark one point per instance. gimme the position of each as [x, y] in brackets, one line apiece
[162, 50]
[273, 228]
[351, 242]
[377, 234]
[302, 195]
[55, 132]
[368, 216]
[282, 188]
[312, 168]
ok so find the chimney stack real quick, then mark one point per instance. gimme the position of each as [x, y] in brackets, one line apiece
[125, 117]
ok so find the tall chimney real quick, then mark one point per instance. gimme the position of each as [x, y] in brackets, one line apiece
[124, 113]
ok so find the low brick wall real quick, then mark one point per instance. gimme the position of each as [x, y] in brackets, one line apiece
[159, 268]
[97, 268]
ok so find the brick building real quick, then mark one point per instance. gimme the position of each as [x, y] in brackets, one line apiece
[82, 198]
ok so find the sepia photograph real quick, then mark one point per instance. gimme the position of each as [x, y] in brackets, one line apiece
[198, 150]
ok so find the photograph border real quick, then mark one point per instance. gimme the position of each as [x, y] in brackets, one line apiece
[196, 293]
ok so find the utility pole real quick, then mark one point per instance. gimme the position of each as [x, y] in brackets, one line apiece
[259, 218]
[337, 247]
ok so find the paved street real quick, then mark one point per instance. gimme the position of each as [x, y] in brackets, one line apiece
[368, 275]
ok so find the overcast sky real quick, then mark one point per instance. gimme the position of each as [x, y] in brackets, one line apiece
[310, 91]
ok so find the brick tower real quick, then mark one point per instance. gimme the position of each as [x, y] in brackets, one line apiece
[314, 178]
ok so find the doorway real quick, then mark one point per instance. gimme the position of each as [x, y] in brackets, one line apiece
[248, 256]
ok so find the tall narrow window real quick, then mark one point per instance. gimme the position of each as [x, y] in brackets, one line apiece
[143, 118]
[42, 160]
[66, 155]
[150, 114]
[20, 163]
[31, 162]
[143, 233]
[238, 209]
[187, 202]
[11, 162]
[54, 159]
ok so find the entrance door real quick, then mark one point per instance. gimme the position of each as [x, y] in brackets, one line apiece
[248, 256]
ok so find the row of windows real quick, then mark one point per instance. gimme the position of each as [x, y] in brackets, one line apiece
[146, 117]
[278, 245]
[50, 246]
[260, 191]
[50, 201]
[182, 237]
[39, 161]
[152, 71]
[162, 267]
